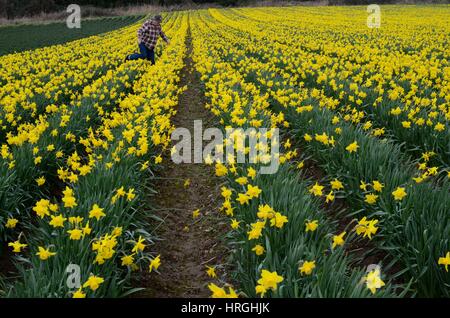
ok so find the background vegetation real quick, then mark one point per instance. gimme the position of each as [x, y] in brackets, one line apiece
[10, 9]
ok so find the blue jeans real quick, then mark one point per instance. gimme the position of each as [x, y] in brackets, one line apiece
[146, 53]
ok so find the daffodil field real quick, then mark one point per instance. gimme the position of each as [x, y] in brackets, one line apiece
[371, 108]
[75, 150]
[360, 204]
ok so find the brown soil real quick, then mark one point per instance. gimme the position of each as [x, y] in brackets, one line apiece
[187, 245]
[7, 268]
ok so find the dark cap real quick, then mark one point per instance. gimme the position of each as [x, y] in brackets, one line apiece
[157, 18]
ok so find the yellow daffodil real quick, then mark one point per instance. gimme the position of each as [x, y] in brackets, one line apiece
[307, 267]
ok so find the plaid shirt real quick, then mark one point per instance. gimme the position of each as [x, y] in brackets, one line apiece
[149, 32]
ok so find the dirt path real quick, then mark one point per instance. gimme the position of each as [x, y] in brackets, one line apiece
[186, 244]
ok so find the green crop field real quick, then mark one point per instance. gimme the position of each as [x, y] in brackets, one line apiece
[18, 38]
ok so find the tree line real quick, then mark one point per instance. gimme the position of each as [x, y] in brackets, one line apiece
[19, 8]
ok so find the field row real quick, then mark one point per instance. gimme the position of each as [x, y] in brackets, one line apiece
[252, 70]
[17, 38]
[72, 177]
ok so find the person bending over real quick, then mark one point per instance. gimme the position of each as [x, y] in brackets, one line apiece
[148, 35]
